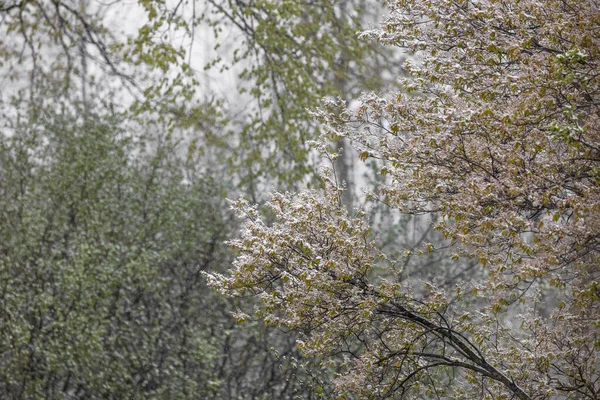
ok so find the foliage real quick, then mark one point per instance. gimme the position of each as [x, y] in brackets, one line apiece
[495, 131]
[99, 264]
[79, 43]
[103, 234]
[289, 56]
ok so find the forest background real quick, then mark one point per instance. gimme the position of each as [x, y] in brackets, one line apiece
[421, 216]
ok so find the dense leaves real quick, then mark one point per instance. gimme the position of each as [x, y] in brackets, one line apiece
[100, 261]
[104, 234]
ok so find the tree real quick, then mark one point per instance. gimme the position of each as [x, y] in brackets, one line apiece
[496, 132]
[103, 233]
[101, 247]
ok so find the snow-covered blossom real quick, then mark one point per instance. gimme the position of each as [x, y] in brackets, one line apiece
[497, 131]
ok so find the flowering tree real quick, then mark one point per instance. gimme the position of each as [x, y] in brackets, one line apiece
[496, 132]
